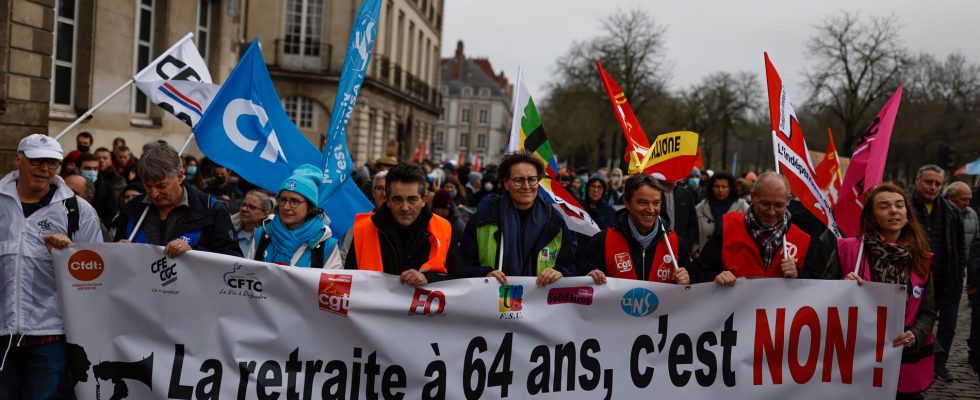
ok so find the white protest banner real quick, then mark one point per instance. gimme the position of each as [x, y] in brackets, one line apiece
[206, 326]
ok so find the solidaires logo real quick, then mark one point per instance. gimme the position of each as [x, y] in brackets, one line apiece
[639, 302]
[85, 265]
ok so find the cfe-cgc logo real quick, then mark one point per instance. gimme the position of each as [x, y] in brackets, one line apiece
[86, 266]
[639, 302]
[244, 284]
[334, 293]
[167, 273]
[511, 301]
[429, 303]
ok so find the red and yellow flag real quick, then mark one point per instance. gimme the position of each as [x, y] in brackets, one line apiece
[636, 139]
[829, 176]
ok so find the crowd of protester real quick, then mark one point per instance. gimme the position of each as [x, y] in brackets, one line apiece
[435, 222]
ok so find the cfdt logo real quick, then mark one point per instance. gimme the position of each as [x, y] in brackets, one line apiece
[511, 301]
[334, 293]
[166, 271]
[639, 302]
[85, 265]
[429, 303]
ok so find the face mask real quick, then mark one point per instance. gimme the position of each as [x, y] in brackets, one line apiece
[693, 183]
[616, 178]
[84, 149]
[92, 176]
[191, 171]
[487, 186]
[219, 179]
[453, 192]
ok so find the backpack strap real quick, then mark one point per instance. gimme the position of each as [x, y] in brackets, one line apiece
[263, 243]
[71, 204]
[318, 254]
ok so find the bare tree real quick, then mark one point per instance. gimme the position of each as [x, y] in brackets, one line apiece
[631, 49]
[721, 106]
[858, 63]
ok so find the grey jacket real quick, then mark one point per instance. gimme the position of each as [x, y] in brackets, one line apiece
[28, 299]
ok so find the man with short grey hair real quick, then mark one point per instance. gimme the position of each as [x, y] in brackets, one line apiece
[943, 226]
[960, 195]
[179, 216]
[756, 243]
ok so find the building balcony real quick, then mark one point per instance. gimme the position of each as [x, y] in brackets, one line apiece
[307, 56]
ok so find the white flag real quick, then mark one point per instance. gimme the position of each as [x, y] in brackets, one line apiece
[179, 81]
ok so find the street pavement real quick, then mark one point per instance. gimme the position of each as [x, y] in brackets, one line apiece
[964, 383]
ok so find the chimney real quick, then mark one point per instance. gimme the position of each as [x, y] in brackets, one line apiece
[458, 64]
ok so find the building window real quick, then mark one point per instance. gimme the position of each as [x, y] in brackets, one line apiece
[144, 50]
[203, 27]
[304, 27]
[440, 139]
[63, 67]
[484, 92]
[464, 115]
[467, 91]
[483, 117]
[300, 110]
[464, 140]
[481, 141]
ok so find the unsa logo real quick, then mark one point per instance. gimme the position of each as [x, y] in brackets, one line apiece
[85, 265]
[639, 302]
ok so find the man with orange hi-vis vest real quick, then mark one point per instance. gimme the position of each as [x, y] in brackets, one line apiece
[403, 237]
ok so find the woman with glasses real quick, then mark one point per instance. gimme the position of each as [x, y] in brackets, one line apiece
[517, 233]
[893, 248]
[298, 234]
[256, 207]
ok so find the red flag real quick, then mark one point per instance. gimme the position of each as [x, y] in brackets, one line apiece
[476, 163]
[417, 154]
[792, 155]
[699, 160]
[867, 166]
[636, 139]
[829, 176]
[425, 148]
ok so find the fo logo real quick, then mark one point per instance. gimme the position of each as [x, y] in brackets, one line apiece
[639, 302]
[427, 302]
[85, 265]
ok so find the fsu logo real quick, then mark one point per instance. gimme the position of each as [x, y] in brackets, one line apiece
[623, 262]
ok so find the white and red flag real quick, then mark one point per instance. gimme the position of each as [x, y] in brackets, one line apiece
[792, 155]
[866, 167]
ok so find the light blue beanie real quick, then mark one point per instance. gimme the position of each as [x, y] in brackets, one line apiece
[305, 181]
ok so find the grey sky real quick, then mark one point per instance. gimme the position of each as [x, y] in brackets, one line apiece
[702, 36]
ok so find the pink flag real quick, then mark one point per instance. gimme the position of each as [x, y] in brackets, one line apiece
[867, 166]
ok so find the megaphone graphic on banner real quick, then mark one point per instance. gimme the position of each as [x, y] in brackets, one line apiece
[117, 371]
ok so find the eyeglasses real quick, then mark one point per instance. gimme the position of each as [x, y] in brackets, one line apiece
[530, 180]
[293, 203]
[51, 163]
[246, 206]
[775, 206]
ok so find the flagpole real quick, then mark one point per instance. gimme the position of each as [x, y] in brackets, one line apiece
[121, 88]
[511, 146]
[139, 222]
[775, 156]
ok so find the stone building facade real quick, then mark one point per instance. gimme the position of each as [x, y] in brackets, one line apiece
[58, 58]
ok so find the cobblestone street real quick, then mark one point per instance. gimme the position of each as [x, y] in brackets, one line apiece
[964, 383]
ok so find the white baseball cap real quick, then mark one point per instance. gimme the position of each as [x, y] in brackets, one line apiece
[40, 146]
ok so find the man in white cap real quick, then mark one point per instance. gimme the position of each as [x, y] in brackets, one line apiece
[39, 212]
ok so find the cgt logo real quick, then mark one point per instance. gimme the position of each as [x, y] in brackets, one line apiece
[334, 293]
[85, 265]
[423, 302]
[639, 302]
